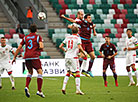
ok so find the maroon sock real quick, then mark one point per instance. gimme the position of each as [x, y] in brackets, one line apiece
[80, 61]
[104, 76]
[39, 82]
[90, 65]
[28, 80]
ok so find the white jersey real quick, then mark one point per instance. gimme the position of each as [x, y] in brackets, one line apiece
[131, 42]
[5, 53]
[72, 42]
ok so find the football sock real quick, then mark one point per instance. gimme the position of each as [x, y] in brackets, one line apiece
[77, 80]
[84, 64]
[66, 78]
[0, 81]
[90, 64]
[28, 80]
[130, 76]
[39, 82]
[80, 61]
[115, 75]
[12, 80]
[104, 76]
[136, 74]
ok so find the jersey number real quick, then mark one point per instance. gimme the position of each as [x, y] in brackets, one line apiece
[70, 44]
[30, 44]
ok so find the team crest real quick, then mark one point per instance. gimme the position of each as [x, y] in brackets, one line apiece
[111, 49]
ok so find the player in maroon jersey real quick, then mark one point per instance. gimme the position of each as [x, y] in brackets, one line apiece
[86, 26]
[108, 55]
[33, 46]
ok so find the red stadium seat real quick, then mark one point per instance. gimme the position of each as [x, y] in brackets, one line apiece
[107, 31]
[117, 11]
[8, 36]
[12, 31]
[91, 1]
[73, 16]
[129, 2]
[120, 30]
[117, 25]
[105, 34]
[64, 6]
[118, 35]
[114, 6]
[116, 16]
[123, 1]
[124, 11]
[126, 21]
[62, 12]
[122, 16]
[61, 2]
[123, 25]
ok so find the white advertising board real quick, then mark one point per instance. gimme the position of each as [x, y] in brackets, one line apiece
[56, 67]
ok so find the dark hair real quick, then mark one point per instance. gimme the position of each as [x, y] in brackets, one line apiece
[75, 30]
[85, 17]
[2, 37]
[129, 29]
[33, 28]
[107, 36]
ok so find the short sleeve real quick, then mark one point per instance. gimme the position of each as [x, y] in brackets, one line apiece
[114, 48]
[39, 39]
[23, 41]
[101, 48]
[79, 41]
[135, 42]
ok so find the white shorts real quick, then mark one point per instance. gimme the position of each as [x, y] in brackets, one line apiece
[130, 59]
[72, 64]
[5, 66]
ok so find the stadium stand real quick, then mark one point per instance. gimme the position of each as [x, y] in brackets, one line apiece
[112, 17]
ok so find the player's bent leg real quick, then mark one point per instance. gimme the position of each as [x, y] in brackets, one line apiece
[77, 80]
[11, 79]
[66, 78]
[92, 55]
[136, 72]
[39, 83]
[130, 76]
[0, 82]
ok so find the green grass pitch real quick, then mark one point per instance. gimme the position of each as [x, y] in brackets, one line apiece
[92, 87]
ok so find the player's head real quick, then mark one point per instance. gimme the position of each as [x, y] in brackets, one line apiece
[33, 28]
[129, 33]
[3, 40]
[107, 39]
[80, 15]
[75, 30]
[88, 18]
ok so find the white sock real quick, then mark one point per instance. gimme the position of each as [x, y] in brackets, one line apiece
[0, 81]
[12, 80]
[77, 80]
[84, 65]
[136, 74]
[66, 78]
[130, 76]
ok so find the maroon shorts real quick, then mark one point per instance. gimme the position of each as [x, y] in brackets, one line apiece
[35, 63]
[87, 46]
[107, 62]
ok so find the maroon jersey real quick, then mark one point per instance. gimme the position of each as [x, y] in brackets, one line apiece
[108, 50]
[31, 42]
[85, 29]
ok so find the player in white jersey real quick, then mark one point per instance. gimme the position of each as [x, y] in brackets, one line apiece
[131, 46]
[73, 45]
[5, 63]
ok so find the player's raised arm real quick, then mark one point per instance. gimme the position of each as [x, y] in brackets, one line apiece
[61, 47]
[69, 19]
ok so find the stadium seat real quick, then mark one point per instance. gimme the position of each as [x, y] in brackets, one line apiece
[1, 35]
[98, 2]
[68, 11]
[79, 2]
[74, 11]
[103, 16]
[92, 2]
[107, 21]
[136, 11]
[124, 11]
[111, 11]
[119, 21]
[110, 2]
[7, 36]
[99, 11]
[43, 53]
[89, 7]
[2, 31]
[15, 36]
[109, 16]
[120, 6]
[117, 25]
